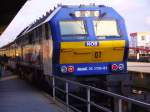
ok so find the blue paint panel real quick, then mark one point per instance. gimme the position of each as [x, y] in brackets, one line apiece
[91, 69]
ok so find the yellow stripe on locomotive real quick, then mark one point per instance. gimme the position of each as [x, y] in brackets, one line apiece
[77, 52]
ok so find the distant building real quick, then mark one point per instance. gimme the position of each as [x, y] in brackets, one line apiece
[140, 40]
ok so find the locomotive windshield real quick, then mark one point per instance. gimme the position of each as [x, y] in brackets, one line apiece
[73, 30]
[105, 28]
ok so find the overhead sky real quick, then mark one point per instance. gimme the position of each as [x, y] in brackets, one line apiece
[135, 12]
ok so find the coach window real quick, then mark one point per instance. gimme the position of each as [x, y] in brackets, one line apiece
[36, 30]
[47, 31]
[40, 32]
[25, 39]
[73, 30]
[36, 36]
[30, 36]
[106, 28]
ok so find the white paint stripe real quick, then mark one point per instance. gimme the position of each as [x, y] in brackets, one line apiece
[8, 78]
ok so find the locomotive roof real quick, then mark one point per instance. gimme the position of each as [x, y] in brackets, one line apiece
[49, 15]
[40, 21]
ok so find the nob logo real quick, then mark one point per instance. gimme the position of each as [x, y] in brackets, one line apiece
[89, 43]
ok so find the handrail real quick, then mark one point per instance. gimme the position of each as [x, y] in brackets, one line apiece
[121, 97]
[88, 101]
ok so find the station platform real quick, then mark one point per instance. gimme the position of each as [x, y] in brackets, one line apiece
[139, 67]
[16, 95]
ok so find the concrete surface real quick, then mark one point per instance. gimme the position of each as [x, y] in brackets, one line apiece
[139, 67]
[17, 95]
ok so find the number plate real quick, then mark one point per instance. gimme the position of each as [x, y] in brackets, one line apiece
[97, 55]
[91, 43]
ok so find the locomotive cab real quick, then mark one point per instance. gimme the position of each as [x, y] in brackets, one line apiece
[90, 40]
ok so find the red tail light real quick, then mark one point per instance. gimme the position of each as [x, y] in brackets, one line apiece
[70, 69]
[114, 67]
